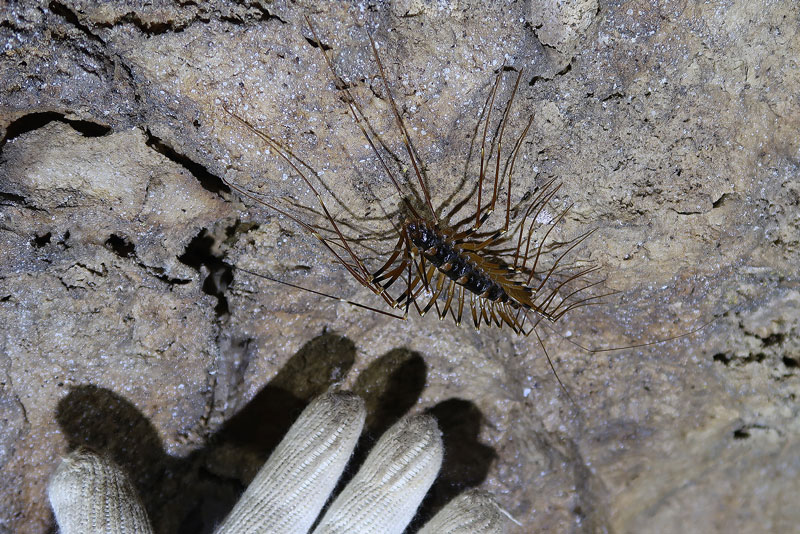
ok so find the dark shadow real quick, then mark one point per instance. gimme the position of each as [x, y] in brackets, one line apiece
[239, 449]
[209, 181]
[466, 460]
[34, 121]
[390, 387]
[258, 427]
[202, 251]
[103, 421]
[192, 495]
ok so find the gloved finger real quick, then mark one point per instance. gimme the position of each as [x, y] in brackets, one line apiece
[384, 495]
[289, 491]
[90, 494]
[471, 512]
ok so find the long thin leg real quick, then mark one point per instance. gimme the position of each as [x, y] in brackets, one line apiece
[393, 275]
[402, 126]
[355, 110]
[451, 291]
[541, 244]
[355, 273]
[546, 304]
[558, 260]
[350, 302]
[408, 287]
[435, 295]
[552, 367]
[460, 305]
[483, 147]
[475, 315]
[422, 271]
[508, 317]
[500, 140]
[484, 312]
[398, 248]
[542, 199]
[514, 154]
[288, 158]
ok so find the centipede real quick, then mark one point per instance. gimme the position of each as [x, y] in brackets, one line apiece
[483, 267]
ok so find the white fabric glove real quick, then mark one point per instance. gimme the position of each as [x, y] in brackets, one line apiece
[89, 494]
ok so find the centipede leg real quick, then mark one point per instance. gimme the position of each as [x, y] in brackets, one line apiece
[435, 296]
[451, 291]
[503, 122]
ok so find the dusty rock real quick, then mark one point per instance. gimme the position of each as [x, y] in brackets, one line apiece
[129, 323]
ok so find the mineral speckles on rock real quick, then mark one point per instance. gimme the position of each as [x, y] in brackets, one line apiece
[562, 25]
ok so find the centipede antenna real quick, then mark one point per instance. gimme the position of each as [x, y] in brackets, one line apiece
[355, 110]
[288, 158]
[304, 225]
[550, 362]
[401, 125]
[320, 293]
[640, 345]
[294, 203]
[483, 146]
[327, 244]
[503, 122]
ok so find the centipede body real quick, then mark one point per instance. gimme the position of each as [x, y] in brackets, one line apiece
[504, 277]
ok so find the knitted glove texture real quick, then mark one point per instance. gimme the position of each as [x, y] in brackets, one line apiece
[89, 494]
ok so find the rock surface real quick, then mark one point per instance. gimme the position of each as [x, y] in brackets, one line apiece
[129, 325]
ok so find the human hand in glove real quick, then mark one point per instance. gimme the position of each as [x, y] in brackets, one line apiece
[90, 494]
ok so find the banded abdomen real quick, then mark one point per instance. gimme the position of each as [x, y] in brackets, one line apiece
[458, 266]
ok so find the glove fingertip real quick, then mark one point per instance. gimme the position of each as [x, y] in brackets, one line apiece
[473, 511]
[90, 493]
